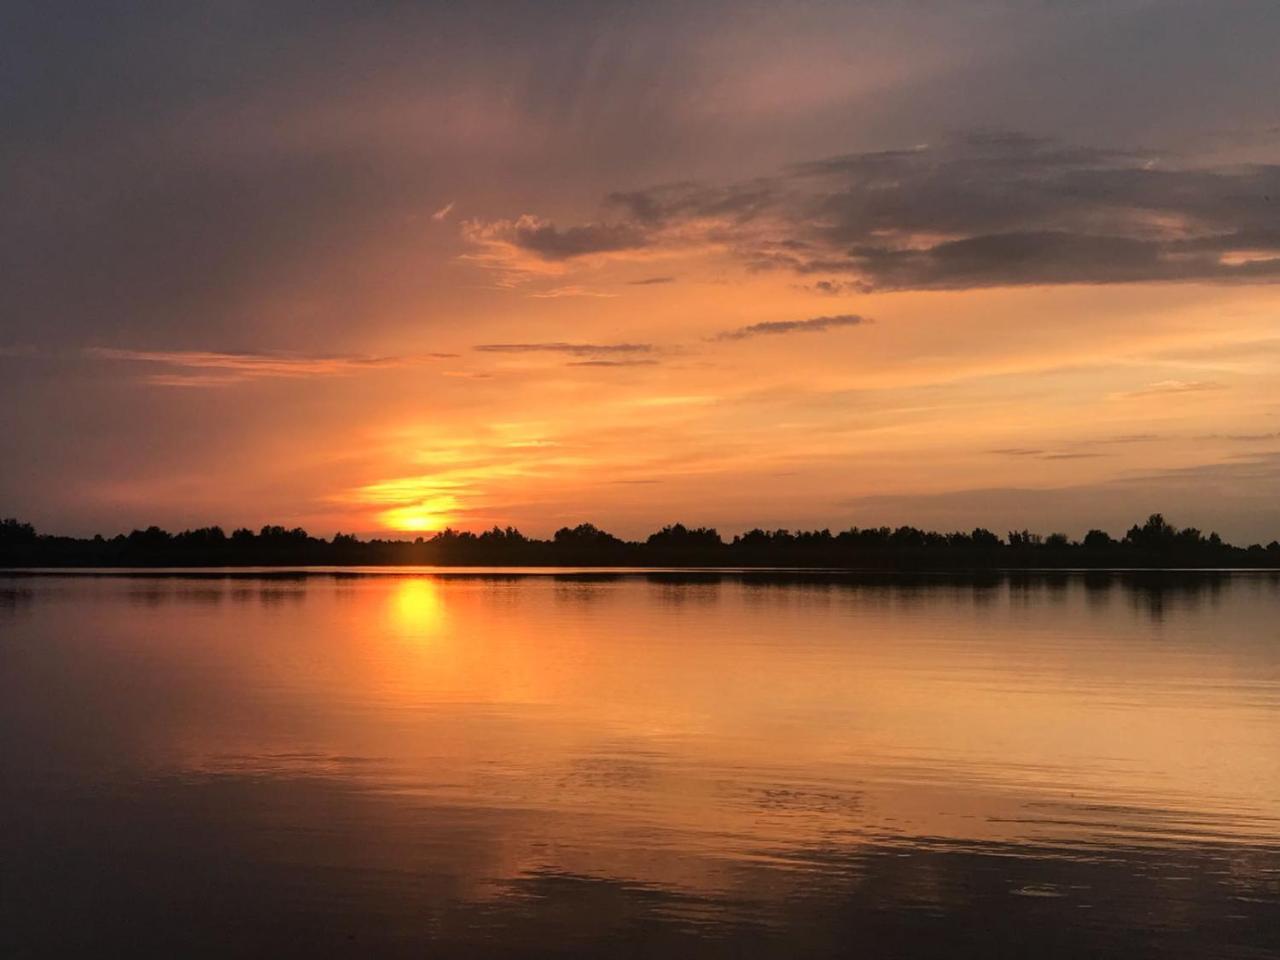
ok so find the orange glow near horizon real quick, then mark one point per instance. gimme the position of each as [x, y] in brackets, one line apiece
[417, 518]
[934, 399]
[430, 515]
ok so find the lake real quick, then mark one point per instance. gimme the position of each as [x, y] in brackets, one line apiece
[475, 764]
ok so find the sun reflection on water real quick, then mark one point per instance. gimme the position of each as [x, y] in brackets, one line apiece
[416, 607]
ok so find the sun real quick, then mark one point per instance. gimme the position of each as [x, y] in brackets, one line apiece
[426, 516]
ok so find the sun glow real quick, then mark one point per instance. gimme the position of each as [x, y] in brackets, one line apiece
[424, 516]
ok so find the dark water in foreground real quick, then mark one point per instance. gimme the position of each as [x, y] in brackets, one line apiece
[648, 765]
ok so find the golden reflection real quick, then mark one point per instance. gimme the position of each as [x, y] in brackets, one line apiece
[416, 607]
[694, 709]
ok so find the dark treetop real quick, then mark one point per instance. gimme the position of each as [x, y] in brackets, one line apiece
[1155, 543]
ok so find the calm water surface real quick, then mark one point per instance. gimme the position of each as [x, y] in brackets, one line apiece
[639, 765]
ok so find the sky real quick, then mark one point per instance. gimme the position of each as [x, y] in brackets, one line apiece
[395, 266]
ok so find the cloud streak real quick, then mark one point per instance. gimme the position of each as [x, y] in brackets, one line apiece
[1164, 387]
[776, 327]
[573, 290]
[572, 349]
[1038, 454]
[201, 368]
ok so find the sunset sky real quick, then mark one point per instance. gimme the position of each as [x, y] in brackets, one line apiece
[392, 266]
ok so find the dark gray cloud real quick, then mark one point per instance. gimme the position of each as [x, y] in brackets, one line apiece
[814, 325]
[650, 281]
[545, 240]
[983, 210]
[573, 349]
[837, 288]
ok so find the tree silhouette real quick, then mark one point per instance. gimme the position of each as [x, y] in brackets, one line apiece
[1155, 543]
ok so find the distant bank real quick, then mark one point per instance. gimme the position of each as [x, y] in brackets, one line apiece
[1153, 544]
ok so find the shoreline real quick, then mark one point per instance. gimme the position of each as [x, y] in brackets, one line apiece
[289, 571]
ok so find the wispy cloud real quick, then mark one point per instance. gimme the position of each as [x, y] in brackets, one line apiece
[1163, 387]
[611, 363]
[572, 349]
[650, 281]
[1038, 454]
[1242, 437]
[773, 327]
[201, 368]
[443, 212]
[1127, 438]
[572, 290]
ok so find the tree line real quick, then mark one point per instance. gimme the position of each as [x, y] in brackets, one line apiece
[1155, 543]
